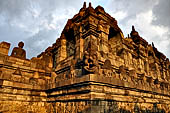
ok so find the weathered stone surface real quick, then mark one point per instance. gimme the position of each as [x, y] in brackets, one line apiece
[4, 48]
[17, 71]
[91, 68]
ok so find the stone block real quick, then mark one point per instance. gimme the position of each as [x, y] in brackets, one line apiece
[7, 83]
[4, 48]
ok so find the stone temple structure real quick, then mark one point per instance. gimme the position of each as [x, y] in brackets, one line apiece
[91, 68]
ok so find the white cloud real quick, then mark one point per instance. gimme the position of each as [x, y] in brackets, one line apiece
[39, 22]
[119, 15]
[150, 32]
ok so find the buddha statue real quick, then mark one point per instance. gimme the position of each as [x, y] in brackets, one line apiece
[19, 52]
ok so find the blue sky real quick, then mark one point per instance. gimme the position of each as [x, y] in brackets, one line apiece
[38, 23]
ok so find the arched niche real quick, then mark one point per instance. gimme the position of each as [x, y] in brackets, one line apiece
[112, 33]
[114, 40]
[70, 42]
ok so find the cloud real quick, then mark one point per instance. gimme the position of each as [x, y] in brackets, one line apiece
[49, 30]
[132, 7]
[161, 13]
[150, 32]
[39, 22]
[162, 18]
[150, 17]
[129, 9]
[37, 45]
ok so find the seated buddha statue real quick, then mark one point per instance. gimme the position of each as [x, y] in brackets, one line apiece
[19, 52]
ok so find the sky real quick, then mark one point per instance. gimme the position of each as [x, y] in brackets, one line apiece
[38, 23]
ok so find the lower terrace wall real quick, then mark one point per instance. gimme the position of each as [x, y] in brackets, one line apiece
[22, 86]
[98, 106]
[96, 94]
[81, 107]
[26, 87]
[9, 106]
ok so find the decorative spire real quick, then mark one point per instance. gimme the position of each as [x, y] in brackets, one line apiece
[84, 5]
[90, 8]
[133, 28]
[153, 44]
[62, 36]
[134, 33]
[90, 4]
[82, 9]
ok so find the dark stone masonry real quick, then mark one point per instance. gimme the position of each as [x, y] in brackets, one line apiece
[91, 68]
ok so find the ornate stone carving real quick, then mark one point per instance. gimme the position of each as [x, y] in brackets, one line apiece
[108, 73]
[17, 71]
[90, 63]
[72, 72]
[107, 65]
[33, 81]
[123, 73]
[102, 26]
[53, 77]
[150, 81]
[107, 69]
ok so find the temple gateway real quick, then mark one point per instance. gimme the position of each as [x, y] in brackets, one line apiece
[91, 68]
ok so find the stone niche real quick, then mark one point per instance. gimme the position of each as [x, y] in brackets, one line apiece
[4, 48]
